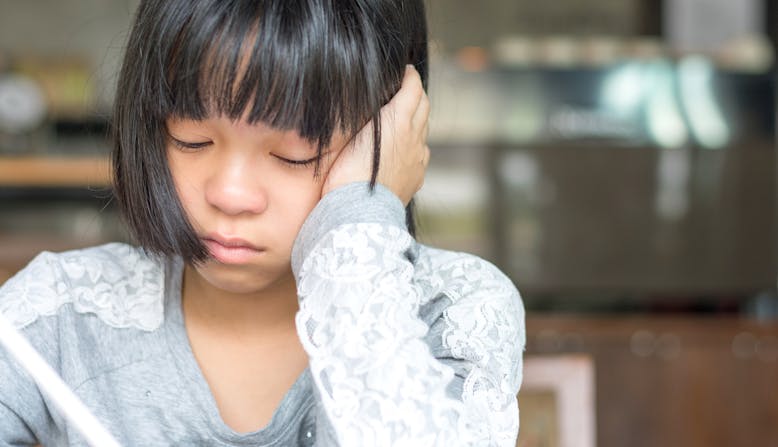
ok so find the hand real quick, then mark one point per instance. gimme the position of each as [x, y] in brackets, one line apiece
[404, 150]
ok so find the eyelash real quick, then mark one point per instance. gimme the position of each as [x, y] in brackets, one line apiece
[298, 163]
[191, 147]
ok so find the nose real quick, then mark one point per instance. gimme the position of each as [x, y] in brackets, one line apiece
[235, 188]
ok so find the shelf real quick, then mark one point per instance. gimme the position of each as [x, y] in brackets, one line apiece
[92, 171]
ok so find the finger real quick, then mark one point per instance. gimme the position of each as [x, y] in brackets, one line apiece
[411, 92]
[426, 131]
[425, 163]
[421, 116]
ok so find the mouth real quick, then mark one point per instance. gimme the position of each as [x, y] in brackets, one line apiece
[228, 250]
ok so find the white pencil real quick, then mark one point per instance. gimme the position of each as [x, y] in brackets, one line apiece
[52, 385]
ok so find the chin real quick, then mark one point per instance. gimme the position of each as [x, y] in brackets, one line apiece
[243, 280]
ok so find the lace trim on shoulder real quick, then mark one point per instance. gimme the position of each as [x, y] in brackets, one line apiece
[118, 283]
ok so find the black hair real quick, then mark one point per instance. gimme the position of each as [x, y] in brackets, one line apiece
[313, 66]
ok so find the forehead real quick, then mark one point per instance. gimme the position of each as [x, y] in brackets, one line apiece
[275, 67]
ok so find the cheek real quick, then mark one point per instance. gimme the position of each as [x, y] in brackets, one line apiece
[308, 192]
[302, 199]
[294, 203]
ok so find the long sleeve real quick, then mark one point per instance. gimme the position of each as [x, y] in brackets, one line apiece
[377, 381]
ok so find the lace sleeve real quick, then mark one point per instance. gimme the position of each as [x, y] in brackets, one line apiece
[377, 380]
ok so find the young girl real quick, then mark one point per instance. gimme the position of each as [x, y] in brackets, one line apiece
[266, 153]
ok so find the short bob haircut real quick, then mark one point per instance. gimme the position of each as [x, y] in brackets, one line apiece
[313, 66]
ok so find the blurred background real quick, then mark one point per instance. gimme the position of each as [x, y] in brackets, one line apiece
[616, 158]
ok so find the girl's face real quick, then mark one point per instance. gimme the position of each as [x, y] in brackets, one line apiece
[246, 190]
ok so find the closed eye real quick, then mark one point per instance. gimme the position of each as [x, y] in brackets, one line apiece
[189, 145]
[299, 163]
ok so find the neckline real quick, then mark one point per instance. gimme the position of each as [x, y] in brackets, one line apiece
[284, 416]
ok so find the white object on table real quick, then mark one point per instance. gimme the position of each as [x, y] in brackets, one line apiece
[52, 385]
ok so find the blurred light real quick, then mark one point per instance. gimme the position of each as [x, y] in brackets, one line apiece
[695, 77]
[559, 51]
[514, 51]
[519, 170]
[642, 343]
[663, 118]
[672, 183]
[452, 190]
[473, 59]
[644, 48]
[624, 89]
[22, 104]
[744, 345]
[598, 51]
[752, 53]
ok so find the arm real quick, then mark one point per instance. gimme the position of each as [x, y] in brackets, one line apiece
[376, 379]
[354, 261]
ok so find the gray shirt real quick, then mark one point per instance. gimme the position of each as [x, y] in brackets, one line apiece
[407, 345]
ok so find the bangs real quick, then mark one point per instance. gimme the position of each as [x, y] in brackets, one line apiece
[310, 66]
[292, 65]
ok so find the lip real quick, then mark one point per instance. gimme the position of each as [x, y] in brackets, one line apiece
[230, 250]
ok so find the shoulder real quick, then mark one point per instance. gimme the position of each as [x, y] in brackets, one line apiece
[119, 283]
[474, 311]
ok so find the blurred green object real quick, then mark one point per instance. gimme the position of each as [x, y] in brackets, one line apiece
[66, 82]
